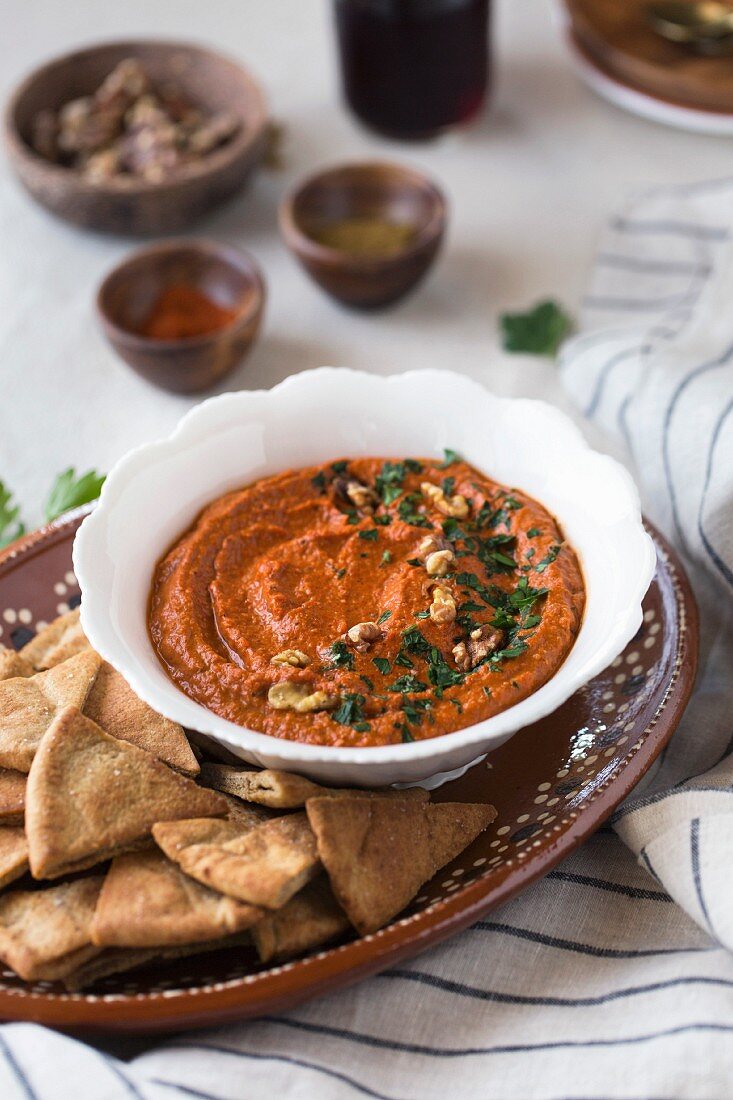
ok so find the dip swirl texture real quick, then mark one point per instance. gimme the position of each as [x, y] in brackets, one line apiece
[367, 602]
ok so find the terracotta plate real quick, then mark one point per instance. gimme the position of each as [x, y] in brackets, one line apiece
[553, 784]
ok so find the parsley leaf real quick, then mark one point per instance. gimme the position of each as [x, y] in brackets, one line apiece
[383, 665]
[369, 536]
[9, 513]
[386, 557]
[351, 712]
[539, 331]
[533, 532]
[408, 683]
[450, 458]
[340, 467]
[341, 655]
[70, 491]
[548, 559]
[405, 731]
[319, 482]
[383, 617]
[408, 513]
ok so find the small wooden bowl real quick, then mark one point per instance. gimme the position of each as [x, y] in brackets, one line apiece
[125, 205]
[372, 190]
[228, 277]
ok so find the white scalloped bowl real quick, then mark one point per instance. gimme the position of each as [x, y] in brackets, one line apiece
[155, 492]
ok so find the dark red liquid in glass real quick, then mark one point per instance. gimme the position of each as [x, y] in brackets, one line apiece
[412, 68]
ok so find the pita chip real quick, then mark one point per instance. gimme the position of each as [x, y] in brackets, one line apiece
[114, 706]
[263, 866]
[311, 918]
[147, 901]
[45, 934]
[283, 791]
[379, 852]
[90, 797]
[13, 854]
[13, 664]
[12, 797]
[114, 960]
[28, 706]
[61, 639]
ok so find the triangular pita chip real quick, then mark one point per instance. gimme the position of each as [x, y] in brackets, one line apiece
[28, 706]
[44, 934]
[113, 960]
[13, 854]
[91, 797]
[311, 918]
[147, 901]
[61, 639]
[114, 706]
[12, 797]
[282, 791]
[263, 866]
[13, 664]
[378, 853]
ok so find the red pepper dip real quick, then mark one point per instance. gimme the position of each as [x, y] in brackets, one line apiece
[367, 602]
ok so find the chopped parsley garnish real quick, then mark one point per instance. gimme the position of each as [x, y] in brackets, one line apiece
[533, 532]
[415, 563]
[352, 516]
[382, 664]
[351, 712]
[487, 692]
[408, 513]
[422, 614]
[382, 521]
[539, 331]
[319, 482]
[340, 573]
[448, 485]
[341, 655]
[408, 683]
[388, 482]
[450, 458]
[548, 559]
[415, 710]
[369, 683]
[369, 536]
[340, 467]
[383, 617]
[386, 557]
[405, 731]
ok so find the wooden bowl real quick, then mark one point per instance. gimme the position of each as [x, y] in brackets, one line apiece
[228, 277]
[126, 205]
[371, 190]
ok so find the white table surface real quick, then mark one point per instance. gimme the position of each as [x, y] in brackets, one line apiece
[529, 187]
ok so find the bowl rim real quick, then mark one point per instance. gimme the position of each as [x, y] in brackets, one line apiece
[219, 158]
[302, 243]
[90, 541]
[238, 258]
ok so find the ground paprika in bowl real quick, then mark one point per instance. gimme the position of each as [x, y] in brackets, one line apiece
[183, 313]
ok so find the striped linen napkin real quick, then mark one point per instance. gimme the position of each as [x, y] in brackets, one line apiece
[593, 983]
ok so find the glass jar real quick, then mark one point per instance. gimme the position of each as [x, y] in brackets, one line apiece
[412, 68]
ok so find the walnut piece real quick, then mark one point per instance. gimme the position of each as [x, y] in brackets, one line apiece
[363, 635]
[439, 562]
[361, 496]
[298, 697]
[443, 606]
[455, 506]
[482, 641]
[293, 657]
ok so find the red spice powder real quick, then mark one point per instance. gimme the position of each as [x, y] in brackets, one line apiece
[182, 311]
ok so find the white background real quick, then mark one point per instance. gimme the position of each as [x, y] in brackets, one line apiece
[529, 188]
